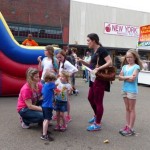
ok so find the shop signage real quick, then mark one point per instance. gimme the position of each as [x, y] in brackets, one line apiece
[144, 37]
[122, 30]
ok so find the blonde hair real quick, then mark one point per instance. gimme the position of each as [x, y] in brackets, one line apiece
[136, 56]
[30, 74]
[49, 76]
[66, 75]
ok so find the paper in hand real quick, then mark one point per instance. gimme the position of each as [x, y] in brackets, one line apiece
[92, 74]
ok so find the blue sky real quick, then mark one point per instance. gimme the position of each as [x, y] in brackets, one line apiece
[141, 5]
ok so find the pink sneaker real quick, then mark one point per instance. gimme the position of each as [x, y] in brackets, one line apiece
[57, 128]
[123, 129]
[54, 118]
[128, 132]
[68, 119]
[63, 128]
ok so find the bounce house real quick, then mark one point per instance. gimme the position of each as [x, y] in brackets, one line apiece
[15, 59]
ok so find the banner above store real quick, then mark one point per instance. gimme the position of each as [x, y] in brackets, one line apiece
[122, 30]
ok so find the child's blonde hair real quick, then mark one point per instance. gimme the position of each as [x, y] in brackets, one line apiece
[136, 56]
[66, 75]
[49, 76]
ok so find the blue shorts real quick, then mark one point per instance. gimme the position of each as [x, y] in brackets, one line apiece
[47, 113]
[61, 106]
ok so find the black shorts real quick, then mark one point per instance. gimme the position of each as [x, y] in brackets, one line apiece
[47, 113]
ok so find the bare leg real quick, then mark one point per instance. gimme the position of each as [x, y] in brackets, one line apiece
[126, 101]
[132, 112]
[45, 126]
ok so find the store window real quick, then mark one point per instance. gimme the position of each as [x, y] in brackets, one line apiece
[36, 31]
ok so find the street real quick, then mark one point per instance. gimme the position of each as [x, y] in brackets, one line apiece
[13, 137]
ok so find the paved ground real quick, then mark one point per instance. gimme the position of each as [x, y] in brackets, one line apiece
[13, 137]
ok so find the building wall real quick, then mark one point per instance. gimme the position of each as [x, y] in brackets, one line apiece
[41, 12]
[54, 13]
[87, 18]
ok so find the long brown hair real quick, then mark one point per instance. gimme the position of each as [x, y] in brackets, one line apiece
[63, 53]
[50, 50]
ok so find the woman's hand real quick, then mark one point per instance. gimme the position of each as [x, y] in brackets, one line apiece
[95, 71]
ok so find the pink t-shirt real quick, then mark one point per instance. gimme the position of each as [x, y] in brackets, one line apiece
[27, 93]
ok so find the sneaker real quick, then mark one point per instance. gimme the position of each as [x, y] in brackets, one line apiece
[94, 127]
[24, 126]
[57, 128]
[68, 119]
[63, 127]
[128, 132]
[54, 118]
[92, 120]
[123, 129]
[76, 92]
[47, 138]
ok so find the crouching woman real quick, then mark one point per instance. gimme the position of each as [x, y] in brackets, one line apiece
[28, 98]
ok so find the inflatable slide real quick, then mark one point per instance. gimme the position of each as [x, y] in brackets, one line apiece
[15, 59]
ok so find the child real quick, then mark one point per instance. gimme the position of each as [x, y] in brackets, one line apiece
[62, 96]
[66, 66]
[49, 63]
[47, 105]
[129, 74]
[71, 59]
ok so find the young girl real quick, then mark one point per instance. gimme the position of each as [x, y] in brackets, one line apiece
[65, 65]
[49, 63]
[62, 97]
[47, 105]
[129, 74]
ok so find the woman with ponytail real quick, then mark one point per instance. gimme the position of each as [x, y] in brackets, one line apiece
[97, 86]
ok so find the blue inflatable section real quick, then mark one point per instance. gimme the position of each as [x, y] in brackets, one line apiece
[16, 52]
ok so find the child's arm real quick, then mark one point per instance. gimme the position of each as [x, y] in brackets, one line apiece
[122, 77]
[40, 63]
[133, 77]
[68, 95]
[70, 91]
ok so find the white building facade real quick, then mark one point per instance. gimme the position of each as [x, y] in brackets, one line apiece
[116, 27]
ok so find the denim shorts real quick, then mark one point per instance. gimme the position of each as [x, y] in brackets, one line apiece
[47, 113]
[61, 106]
